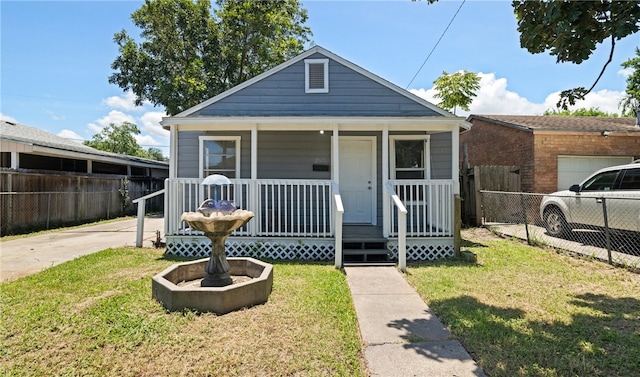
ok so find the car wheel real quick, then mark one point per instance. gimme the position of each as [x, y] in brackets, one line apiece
[555, 222]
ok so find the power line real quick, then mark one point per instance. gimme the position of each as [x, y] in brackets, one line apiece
[436, 45]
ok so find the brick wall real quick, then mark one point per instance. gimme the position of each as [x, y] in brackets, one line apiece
[492, 144]
[551, 144]
[536, 153]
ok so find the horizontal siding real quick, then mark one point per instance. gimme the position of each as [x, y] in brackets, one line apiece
[283, 94]
[441, 155]
[291, 155]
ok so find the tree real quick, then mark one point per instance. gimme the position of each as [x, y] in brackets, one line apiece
[120, 139]
[571, 31]
[190, 53]
[582, 112]
[630, 104]
[456, 89]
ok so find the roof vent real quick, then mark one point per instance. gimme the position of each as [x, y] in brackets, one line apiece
[316, 75]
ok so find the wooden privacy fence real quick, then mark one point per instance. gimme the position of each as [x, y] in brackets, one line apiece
[492, 178]
[33, 201]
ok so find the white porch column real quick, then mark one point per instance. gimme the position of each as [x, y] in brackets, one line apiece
[338, 212]
[173, 151]
[253, 186]
[335, 165]
[455, 157]
[89, 166]
[386, 210]
[254, 152]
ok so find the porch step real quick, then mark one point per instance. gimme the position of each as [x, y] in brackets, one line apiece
[365, 256]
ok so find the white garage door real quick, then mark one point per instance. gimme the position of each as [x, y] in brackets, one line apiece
[574, 169]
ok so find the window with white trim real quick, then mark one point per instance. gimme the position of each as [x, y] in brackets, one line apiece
[410, 157]
[316, 74]
[220, 155]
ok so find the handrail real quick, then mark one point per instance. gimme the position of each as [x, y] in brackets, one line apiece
[402, 227]
[142, 202]
[339, 212]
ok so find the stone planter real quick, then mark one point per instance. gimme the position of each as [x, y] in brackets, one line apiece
[171, 287]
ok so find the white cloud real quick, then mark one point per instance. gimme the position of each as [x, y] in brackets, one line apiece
[8, 118]
[116, 117]
[54, 116]
[625, 72]
[494, 98]
[70, 135]
[125, 102]
[145, 141]
[151, 123]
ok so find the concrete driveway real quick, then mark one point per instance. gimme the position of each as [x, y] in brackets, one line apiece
[28, 255]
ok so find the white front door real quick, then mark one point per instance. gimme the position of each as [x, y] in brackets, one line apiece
[357, 178]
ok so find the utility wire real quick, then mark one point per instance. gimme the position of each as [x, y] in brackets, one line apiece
[436, 45]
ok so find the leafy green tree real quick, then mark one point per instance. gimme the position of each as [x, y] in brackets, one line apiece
[571, 31]
[630, 104]
[155, 154]
[581, 112]
[456, 89]
[120, 139]
[191, 52]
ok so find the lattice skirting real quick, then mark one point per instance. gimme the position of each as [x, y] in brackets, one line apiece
[424, 248]
[281, 249]
[302, 249]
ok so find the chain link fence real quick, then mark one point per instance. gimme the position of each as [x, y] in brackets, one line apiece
[606, 226]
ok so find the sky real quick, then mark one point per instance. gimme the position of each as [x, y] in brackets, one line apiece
[55, 59]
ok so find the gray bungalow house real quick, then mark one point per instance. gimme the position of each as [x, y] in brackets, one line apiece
[335, 162]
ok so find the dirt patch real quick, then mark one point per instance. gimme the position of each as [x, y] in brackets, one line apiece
[479, 235]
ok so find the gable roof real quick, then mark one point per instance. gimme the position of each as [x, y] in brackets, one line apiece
[20, 133]
[193, 111]
[561, 123]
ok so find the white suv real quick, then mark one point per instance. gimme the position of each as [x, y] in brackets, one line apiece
[581, 205]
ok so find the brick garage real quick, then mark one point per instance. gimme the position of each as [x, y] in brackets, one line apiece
[534, 143]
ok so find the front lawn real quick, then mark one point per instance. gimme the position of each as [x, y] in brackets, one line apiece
[95, 316]
[525, 311]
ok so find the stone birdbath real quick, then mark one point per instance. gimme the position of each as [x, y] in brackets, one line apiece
[209, 285]
[217, 219]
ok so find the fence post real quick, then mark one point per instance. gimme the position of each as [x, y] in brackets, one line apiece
[607, 233]
[48, 208]
[524, 217]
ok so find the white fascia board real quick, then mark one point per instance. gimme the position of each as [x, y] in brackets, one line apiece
[317, 123]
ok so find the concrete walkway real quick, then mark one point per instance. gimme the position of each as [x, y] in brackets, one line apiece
[26, 256]
[401, 335]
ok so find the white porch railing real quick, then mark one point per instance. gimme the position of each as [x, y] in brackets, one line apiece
[430, 207]
[299, 208]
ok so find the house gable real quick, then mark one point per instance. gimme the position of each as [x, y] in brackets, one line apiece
[352, 92]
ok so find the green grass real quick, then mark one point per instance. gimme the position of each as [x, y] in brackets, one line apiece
[524, 311]
[94, 316]
[519, 311]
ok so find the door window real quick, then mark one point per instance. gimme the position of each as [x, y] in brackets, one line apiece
[631, 180]
[601, 182]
